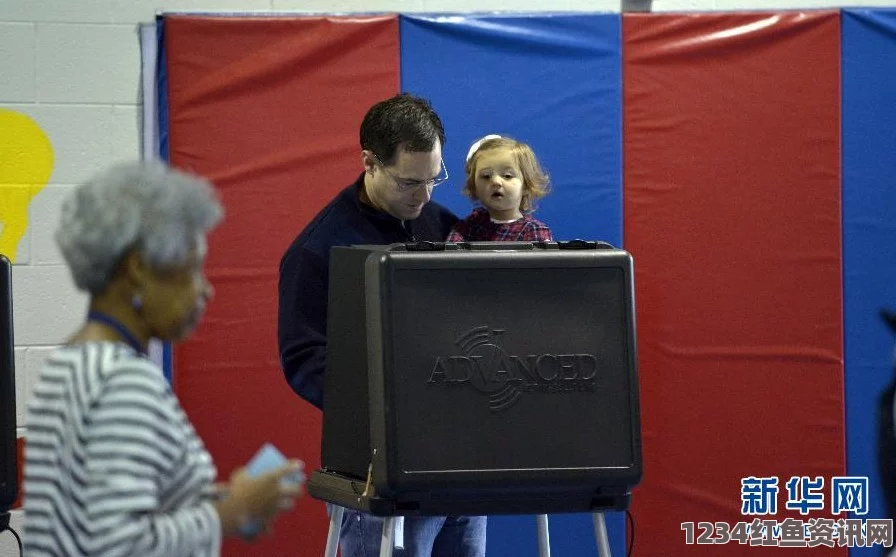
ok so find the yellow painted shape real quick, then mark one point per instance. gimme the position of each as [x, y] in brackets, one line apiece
[26, 162]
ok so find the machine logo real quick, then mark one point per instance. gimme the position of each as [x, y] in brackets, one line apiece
[487, 367]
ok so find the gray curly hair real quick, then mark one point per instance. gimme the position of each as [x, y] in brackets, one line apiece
[149, 206]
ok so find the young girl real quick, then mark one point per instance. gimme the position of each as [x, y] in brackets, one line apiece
[505, 177]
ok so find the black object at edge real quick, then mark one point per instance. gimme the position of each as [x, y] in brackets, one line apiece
[4, 526]
[9, 480]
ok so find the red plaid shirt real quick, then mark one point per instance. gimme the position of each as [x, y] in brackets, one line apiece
[478, 227]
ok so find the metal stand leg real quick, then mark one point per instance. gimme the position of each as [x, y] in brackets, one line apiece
[333, 535]
[544, 537]
[387, 542]
[600, 532]
[399, 532]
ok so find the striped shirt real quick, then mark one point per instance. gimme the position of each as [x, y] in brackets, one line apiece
[112, 464]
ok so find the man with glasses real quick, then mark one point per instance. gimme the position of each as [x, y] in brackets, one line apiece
[390, 202]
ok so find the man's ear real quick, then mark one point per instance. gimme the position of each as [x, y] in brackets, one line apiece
[368, 161]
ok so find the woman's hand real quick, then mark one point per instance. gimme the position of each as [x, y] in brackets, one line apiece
[259, 498]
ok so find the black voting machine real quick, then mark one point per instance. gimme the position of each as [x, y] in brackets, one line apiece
[481, 378]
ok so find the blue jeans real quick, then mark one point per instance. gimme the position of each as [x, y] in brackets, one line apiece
[424, 536]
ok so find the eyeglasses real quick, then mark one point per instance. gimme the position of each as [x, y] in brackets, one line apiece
[407, 185]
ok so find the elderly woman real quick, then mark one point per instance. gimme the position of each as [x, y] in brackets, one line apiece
[112, 464]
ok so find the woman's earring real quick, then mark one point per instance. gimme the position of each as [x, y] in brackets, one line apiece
[137, 301]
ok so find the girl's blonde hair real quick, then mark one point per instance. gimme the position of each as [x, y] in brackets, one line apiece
[536, 182]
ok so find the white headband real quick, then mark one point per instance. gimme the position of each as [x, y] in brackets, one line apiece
[475, 146]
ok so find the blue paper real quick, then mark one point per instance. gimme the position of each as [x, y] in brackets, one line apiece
[266, 459]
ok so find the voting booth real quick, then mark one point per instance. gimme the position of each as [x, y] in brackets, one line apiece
[480, 378]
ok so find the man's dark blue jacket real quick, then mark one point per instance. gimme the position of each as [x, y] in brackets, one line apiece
[304, 277]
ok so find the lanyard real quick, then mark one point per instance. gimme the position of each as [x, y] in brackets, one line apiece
[116, 325]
